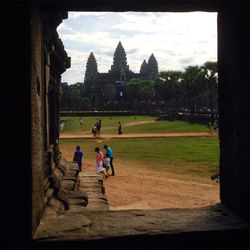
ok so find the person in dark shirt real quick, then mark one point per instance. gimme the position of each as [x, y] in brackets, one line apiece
[78, 156]
[98, 129]
[119, 128]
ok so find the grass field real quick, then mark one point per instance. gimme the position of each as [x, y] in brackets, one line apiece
[188, 156]
[109, 125]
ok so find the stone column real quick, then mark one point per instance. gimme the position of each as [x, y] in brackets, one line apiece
[234, 103]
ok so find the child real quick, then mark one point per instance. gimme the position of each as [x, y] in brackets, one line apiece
[106, 164]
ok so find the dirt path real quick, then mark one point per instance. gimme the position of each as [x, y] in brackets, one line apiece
[139, 135]
[134, 187]
[137, 123]
[88, 135]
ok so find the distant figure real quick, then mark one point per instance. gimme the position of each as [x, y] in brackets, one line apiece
[119, 128]
[81, 122]
[61, 125]
[215, 177]
[94, 131]
[109, 154]
[100, 123]
[78, 156]
[98, 129]
[99, 161]
[210, 125]
[215, 126]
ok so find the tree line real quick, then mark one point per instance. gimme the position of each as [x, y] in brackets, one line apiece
[193, 90]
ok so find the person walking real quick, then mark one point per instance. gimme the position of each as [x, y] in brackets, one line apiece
[215, 126]
[94, 131]
[210, 125]
[61, 125]
[109, 154]
[100, 122]
[78, 156]
[98, 129]
[119, 128]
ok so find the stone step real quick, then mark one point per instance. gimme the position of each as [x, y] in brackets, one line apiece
[92, 184]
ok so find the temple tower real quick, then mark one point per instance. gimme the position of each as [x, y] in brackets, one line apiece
[143, 70]
[91, 69]
[152, 68]
[120, 67]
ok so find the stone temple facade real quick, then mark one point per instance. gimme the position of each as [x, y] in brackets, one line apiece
[119, 71]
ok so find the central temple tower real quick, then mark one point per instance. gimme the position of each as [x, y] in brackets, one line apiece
[120, 68]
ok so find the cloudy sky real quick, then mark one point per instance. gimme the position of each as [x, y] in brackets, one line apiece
[176, 39]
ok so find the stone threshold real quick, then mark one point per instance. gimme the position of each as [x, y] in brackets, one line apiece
[96, 225]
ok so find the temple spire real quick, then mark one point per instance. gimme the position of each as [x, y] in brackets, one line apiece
[119, 59]
[91, 69]
[152, 68]
[143, 69]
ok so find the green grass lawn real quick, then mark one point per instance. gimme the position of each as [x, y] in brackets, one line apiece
[188, 156]
[166, 126]
[109, 125]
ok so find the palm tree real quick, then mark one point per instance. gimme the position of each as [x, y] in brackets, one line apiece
[192, 78]
[211, 78]
[167, 89]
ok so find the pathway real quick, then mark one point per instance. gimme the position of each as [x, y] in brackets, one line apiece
[138, 135]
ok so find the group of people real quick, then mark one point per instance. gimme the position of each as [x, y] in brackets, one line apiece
[103, 161]
[96, 130]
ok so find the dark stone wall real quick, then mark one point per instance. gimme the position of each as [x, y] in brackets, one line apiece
[48, 61]
[234, 92]
[135, 5]
[36, 126]
[234, 108]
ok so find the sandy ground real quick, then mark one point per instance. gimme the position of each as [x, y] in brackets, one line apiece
[134, 187]
[141, 135]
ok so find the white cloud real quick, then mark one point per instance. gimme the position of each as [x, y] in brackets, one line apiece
[62, 27]
[174, 38]
[96, 38]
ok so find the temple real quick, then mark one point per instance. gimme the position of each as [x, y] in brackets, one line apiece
[119, 72]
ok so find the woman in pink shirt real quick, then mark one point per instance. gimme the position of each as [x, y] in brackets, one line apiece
[99, 161]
